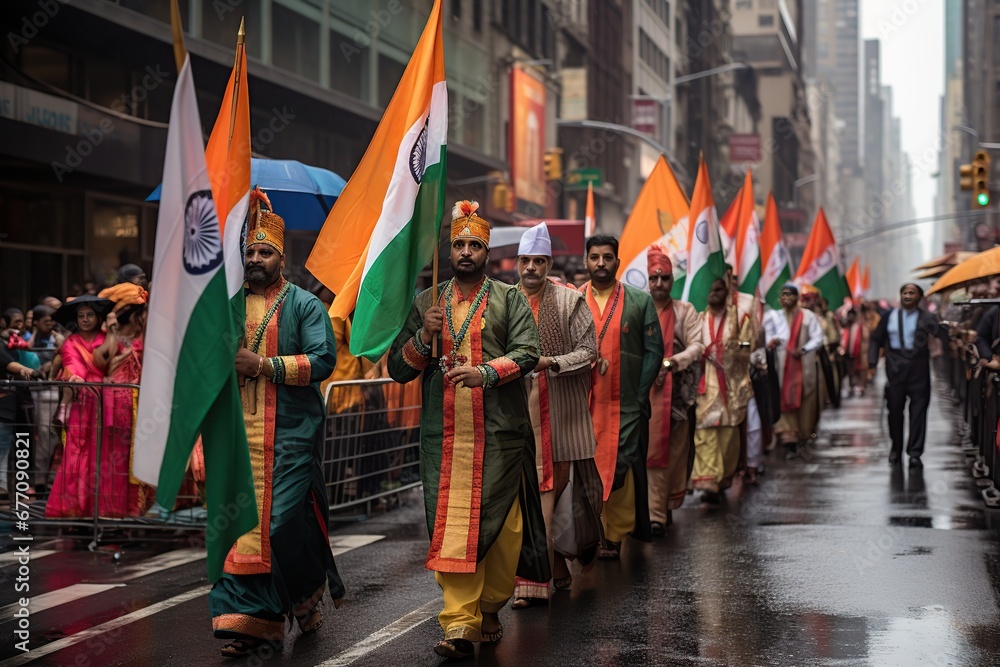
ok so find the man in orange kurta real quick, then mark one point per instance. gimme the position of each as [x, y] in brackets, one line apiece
[630, 351]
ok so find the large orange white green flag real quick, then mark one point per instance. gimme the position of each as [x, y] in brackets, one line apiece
[588, 216]
[228, 158]
[741, 226]
[820, 265]
[188, 383]
[385, 224]
[776, 268]
[855, 280]
[705, 260]
[658, 215]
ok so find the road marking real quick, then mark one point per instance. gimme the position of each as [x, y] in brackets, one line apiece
[381, 637]
[160, 562]
[66, 642]
[10, 557]
[340, 544]
[40, 603]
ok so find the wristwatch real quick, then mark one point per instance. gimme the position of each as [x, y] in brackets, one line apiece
[667, 363]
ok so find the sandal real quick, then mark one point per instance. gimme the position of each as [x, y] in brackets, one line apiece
[310, 622]
[563, 583]
[241, 648]
[524, 603]
[495, 636]
[610, 551]
[454, 648]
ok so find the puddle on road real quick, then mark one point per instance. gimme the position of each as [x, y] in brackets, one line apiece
[932, 638]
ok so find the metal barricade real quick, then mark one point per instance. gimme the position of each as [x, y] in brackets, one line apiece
[70, 450]
[371, 444]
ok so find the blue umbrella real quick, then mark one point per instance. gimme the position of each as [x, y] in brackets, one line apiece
[301, 194]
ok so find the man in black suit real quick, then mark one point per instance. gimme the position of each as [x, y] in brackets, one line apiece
[905, 334]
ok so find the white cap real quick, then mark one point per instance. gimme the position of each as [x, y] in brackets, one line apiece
[535, 241]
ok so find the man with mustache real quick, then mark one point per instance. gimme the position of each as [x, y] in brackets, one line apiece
[282, 567]
[477, 453]
[629, 354]
[558, 393]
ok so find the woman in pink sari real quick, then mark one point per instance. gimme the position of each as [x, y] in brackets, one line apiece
[85, 356]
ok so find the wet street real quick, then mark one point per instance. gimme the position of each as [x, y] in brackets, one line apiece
[835, 559]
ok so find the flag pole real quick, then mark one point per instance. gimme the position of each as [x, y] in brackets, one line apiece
[240, 46]
[434, 289]
[180, 54]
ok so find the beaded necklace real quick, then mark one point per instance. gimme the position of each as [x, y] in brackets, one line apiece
[451, 361]
[258, 334]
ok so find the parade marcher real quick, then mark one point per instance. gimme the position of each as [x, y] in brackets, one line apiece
[725, 390]
[282, 567]
[477, 453]
[855, 343]
[559, 389]
[905, 333]
[795, 333]
[830, 352]
[629, 356]
[671, 433]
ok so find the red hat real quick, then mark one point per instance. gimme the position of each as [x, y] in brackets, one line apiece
[658, 261]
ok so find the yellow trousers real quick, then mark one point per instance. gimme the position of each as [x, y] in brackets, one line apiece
[618, 516]
[468, 595]
[716, 457]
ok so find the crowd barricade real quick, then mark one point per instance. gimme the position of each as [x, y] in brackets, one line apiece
[975, 394]
[71, 449]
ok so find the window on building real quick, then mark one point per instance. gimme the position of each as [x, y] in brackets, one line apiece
[390, 71]
[477, 15]
[456, 9]
[348, 67]
[996, 41]
[295, 40]
[765, 20]
[49, 65]
[159, 9]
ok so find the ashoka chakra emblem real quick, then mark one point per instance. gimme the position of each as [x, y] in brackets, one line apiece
[701, 231]
[418, 155]
[202, 241]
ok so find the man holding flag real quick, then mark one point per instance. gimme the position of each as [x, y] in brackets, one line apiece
[477, 454]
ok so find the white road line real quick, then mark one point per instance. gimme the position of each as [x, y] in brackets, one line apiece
[10, 557]
[160, 562]
[40, 603]
[340, 544]
[66, 642]
[381, 637]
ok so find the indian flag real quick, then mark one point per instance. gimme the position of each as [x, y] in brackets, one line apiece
[228, 159]
[188, 381]
[385, 224]
[820, 266]
[658, 215]
[588, 215]
[706, 263]
[741, 226]
[855, 280]
[775, 262]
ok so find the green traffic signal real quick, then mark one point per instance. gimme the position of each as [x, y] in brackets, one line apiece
[983, 199]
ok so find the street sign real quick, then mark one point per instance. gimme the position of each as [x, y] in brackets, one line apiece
[577, 179]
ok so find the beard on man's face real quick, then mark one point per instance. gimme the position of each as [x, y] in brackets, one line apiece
[466, 269]
[259, 275]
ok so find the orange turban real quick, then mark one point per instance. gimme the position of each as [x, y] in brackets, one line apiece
[265, 226]
[465, 223]
[659, 262]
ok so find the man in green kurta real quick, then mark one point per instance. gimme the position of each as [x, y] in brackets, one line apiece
[282, 567]
[630, 351]
[477, 451]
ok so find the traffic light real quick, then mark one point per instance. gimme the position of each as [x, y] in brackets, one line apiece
[981, 179]
[503, 199]
[965, 177]
[553, 164]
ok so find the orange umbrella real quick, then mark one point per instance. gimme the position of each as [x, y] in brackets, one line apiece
[977, 267]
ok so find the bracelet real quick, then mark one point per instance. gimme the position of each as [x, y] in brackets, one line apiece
[278, 370]
[490, 376]
[260, 367]
[418, 343]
